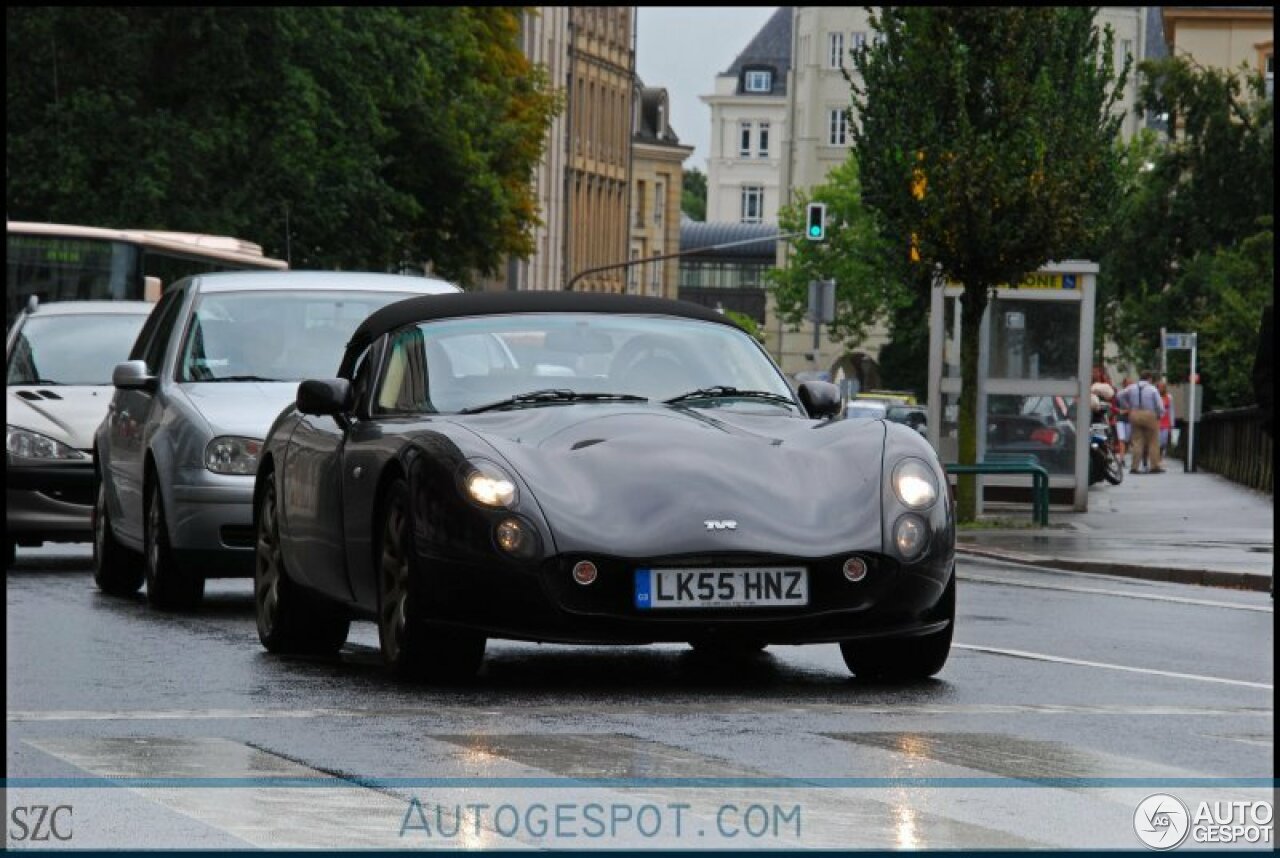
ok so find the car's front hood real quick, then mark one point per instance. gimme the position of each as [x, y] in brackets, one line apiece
[246, 408]
[66, 413]
[648, 480]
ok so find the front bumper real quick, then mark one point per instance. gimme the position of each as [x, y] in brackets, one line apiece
[51, 503]
[543, 603]
[211, 526]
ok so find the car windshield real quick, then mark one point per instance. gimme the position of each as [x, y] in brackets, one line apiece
[72, 349]
[273, 335]
[469, 363]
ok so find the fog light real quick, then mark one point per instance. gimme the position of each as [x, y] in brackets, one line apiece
[584, 572]
[855, 569]
[511, 536]
[910, 535]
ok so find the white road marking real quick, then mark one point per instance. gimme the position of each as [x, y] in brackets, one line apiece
[1039, 656]
[1037, 585]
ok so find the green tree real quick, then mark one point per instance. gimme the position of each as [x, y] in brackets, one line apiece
[347, 137]
[854, 255]
[1176, 256]
[986, 133]
[693, 199]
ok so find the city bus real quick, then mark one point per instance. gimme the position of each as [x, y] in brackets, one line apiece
[59, 262]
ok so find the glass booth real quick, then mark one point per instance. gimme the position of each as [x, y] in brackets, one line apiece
[1034, 361]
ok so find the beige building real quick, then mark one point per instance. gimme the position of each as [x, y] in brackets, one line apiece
[748, 126]
[1224, 37]
[657, 181]
[598, 167]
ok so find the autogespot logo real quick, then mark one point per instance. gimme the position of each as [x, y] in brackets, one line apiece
[1162, 821]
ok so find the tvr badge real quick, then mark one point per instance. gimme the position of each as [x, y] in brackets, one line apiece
[721, 524]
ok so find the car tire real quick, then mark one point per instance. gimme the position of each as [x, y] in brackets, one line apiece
[903, 659]
[169, 587]
[289, 619]
[116, 570]
[413, 648]
[1112, 471]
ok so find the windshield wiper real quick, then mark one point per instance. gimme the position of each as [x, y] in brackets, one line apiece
[239, 378]
[721, 391]
[534, 397]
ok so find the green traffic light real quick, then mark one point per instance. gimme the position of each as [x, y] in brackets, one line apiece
[815, 230]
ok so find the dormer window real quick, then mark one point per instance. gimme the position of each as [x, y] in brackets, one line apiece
[759, 81]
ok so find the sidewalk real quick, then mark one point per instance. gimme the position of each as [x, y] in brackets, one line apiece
[1190, 528]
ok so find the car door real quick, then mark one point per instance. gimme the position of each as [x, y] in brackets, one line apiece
[313, 487]
[128, 417]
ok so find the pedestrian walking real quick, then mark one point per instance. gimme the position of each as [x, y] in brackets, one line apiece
[1142, 401]
[1122, 423]
[1166, 419]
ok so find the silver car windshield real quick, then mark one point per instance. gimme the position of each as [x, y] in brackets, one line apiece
[273, 335]
[462, 364]
[72, 349]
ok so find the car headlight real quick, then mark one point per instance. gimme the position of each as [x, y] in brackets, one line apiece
[25, 444]
[229, 454]
[489, 485]
[915, 484]
[910, 535]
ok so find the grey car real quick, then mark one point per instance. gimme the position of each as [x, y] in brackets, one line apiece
[174, 460]
[58, 360]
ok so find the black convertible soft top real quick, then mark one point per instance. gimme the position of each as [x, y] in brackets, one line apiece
[429, 307]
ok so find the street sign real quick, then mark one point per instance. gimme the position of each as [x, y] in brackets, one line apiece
[1179, 341]
[822, 301]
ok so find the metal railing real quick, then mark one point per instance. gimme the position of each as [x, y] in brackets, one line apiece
[1231, 443]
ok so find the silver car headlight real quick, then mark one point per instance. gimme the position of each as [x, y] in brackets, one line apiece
[489, 485]
[229, 454]
[25, 444]
[915, 484]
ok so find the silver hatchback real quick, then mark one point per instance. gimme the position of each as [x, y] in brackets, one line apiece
[217, 361]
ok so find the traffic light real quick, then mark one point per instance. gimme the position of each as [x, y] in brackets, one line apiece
[816, 222]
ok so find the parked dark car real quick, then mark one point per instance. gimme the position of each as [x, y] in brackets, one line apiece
[642, 472]
[1042, 427]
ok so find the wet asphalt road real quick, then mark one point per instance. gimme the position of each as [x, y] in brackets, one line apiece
[1067, 699]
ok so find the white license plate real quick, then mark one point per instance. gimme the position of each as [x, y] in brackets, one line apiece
[721, 588]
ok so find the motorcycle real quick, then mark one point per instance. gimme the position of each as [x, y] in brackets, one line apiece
[1103, 462]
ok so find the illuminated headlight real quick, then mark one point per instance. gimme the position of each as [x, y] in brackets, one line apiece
[231, 455]
[914, 484]
[25, 444]
[910, 535]
[489, 485]
[516, 537]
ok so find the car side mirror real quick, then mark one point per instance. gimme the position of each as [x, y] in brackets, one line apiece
[133, 375]
[820, 398]
[325, 396]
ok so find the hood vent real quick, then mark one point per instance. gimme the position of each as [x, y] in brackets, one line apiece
[49, 394]
[28, 395]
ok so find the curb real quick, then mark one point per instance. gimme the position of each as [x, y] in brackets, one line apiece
[1202, 577]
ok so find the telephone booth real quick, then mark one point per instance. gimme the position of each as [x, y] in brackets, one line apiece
[1034, 363]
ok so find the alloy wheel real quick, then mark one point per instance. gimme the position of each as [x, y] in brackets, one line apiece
[267, 563]
[394, 583]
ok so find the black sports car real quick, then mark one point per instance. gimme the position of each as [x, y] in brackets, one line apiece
[589, 468]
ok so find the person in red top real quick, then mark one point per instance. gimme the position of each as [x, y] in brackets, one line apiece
[1166, 419]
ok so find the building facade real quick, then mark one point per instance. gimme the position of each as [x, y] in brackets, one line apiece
[748, 126]
[1224, 37]
[657, 182]
[598, 164]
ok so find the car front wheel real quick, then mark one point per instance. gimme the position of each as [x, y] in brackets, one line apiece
[168, 587]
[411, 647]
[116, 570]
[905, 658]
[289, 619]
